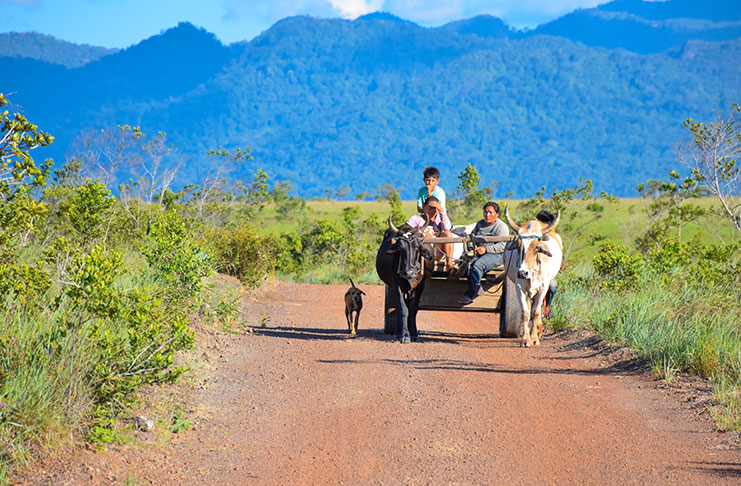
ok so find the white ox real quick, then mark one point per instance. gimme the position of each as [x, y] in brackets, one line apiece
[541, 252]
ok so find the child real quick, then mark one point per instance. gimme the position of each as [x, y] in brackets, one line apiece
[439, 225]
[431, 178]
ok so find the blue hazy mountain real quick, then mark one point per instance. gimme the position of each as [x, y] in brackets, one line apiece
[46, 48]
[328, 103]
[611, 29]
[715, 10]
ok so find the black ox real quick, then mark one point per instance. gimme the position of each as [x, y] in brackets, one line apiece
[400, 264]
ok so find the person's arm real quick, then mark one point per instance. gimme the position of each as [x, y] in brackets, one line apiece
[479, 230]
[439, 193]
[445, 221]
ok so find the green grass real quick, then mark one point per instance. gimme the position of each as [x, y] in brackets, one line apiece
[268, 220]
[621, 221]
[46, 393]
[690, 329]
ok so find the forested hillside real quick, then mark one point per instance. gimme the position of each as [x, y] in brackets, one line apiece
[46, 48]
[331, 103]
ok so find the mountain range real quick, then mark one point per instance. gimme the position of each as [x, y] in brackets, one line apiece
[598, 93]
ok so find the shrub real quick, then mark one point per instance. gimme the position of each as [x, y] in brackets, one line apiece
[618, 268]
[175, 258]
[241, 253]
[86, 210]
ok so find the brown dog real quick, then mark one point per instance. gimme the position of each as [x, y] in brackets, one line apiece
[353, 303]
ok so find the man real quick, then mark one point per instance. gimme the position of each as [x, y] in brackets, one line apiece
[488, 255]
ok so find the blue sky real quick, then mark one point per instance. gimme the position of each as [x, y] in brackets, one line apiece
[121, 23]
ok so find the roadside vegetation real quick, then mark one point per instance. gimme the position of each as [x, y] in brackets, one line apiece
[668, 291]
[104, 267]
[98, 292]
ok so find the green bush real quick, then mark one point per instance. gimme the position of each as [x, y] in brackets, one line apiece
[175, 258]
[241, 253]
[87, 210]
[618, 269]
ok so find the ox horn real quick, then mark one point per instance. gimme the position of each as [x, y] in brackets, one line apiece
[392, 227]
[515, 227]
[553, 225]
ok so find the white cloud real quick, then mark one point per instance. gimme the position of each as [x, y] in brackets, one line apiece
[351, 9]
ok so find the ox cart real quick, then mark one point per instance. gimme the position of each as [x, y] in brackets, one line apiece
[442, 294]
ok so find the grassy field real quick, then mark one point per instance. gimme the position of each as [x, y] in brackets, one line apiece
[621, 221]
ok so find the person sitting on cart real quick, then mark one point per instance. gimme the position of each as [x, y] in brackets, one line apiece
[547, 217]
[431, 179]
[487, 255]
[439, 226]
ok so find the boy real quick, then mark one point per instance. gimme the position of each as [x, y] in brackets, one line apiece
[431, 178]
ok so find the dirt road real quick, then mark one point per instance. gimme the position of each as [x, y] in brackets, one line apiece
[297, 402]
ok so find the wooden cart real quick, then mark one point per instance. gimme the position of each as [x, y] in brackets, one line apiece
[441, 294]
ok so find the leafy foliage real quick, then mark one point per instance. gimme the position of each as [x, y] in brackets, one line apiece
[97, 293]
[18, 171]
[242, 254]
[469, 198]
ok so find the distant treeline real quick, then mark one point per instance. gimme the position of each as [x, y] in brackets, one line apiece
[336, 103]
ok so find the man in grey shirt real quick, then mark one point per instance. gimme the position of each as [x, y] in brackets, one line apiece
[488, 255]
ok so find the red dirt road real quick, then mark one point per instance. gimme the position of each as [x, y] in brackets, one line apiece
[298, 402]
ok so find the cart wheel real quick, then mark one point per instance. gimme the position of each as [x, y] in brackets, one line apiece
[389, 313]
[510, 317]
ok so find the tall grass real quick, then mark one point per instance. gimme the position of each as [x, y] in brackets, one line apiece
[49, 367]
[691, 328]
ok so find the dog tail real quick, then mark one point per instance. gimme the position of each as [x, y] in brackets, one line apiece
[351, 282]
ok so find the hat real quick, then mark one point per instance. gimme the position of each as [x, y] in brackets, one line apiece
[546, 217]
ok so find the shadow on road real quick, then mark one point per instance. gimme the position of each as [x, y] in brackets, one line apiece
[376, 334]
[722, 469]
[448, 364]
[310, 333]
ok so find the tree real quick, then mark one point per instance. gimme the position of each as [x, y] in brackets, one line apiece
[18, 171]
[108, 154]
[19, 177]
[157, 175]
[223, 163]
[469, 197]
[391, 194]
[669, 208]
[711, 153]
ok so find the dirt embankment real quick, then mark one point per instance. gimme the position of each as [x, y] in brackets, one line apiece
[297, 402]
